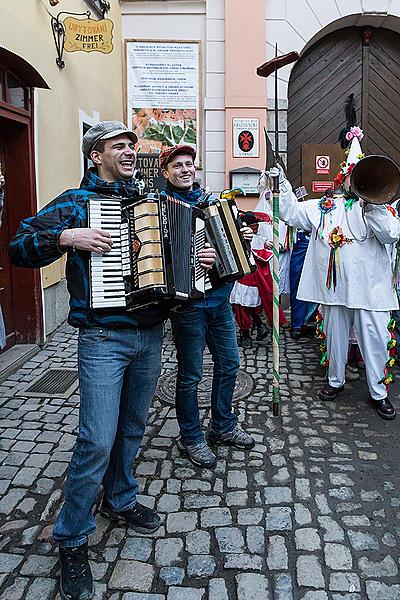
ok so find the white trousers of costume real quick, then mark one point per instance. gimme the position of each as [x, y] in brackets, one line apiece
[372, 337]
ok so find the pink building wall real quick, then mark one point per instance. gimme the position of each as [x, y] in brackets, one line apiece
[245, 92]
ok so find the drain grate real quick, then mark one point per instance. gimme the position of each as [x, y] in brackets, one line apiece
[55, 383]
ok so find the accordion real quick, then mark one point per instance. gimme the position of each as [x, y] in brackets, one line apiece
[234, 256]
[156, 239]
[154, 253]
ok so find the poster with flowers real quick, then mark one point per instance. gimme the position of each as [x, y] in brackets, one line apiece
[163, 94]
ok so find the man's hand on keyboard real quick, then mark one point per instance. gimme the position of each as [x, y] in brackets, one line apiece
[207, 256]
[85, 238]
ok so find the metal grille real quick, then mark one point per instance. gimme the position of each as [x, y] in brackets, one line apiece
[58, 383]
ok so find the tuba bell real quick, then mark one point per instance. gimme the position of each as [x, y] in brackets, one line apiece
[376, 179]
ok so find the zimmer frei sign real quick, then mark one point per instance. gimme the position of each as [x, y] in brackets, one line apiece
[88, 35]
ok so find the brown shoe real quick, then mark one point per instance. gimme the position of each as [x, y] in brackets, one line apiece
[329, 392]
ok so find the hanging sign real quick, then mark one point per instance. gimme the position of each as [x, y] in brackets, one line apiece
[148, 166]
[245, 138]
[88, 35]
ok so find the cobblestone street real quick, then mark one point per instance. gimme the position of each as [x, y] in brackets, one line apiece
[311, 513]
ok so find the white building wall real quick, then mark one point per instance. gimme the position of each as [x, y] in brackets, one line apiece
[297, 24]
[192, 20]
[291, 24]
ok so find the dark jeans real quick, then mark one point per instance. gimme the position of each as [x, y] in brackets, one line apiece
[193, 328]
[118, 373]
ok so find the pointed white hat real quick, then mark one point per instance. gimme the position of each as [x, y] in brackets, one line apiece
[355, 153]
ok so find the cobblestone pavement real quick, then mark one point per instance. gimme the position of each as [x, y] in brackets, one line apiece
[311, 513]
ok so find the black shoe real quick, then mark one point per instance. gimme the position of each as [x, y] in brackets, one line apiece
[329, 392]
[295, 334]
[245, 340]
[76, 581]
[385, 409]
[141, 518]
[262, 332]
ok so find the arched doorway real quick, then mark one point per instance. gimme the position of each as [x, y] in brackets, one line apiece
[363, 61]
[20, 289]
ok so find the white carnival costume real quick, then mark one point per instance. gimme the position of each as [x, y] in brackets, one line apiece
[347, 270]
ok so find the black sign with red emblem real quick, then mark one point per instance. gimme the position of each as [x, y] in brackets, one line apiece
[246, 141]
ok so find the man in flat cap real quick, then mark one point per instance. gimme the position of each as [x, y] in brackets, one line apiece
[119, 356]
[197, 324]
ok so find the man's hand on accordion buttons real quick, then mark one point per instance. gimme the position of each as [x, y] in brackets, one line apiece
[247, 232]
[207, 256]
[85, 238]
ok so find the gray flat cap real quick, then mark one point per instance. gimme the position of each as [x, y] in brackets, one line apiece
[104, 130]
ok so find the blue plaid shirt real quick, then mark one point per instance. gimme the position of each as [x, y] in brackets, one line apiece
[36, 245]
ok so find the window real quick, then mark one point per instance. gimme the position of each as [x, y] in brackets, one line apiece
[86, 161]
[86, 122]
[2, 87]
[13, 91]
[18, 95]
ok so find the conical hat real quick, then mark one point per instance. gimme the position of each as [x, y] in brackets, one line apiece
[355, 153]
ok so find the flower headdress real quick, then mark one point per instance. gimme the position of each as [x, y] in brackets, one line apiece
[354, 154]
[350, 138]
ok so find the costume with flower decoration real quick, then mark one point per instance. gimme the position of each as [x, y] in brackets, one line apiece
[347, 270]
[254, 291]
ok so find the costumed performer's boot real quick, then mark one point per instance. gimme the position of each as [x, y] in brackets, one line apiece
[245, 340]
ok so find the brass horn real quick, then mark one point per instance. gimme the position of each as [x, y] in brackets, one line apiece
[376, 179]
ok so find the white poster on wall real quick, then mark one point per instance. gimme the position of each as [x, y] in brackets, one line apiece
[246, 137]
[164, 93]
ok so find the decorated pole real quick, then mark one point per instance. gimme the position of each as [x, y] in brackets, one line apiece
[276, 396]
[266, 69]
[276, 393]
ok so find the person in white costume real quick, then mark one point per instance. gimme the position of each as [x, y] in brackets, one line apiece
[284, 250]
[351, 278]
[254, 292]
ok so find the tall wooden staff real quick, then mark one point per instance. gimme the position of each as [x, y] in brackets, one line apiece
[266, 69]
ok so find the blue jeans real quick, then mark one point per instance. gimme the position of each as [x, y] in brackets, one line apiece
[193, 328]
[118, 373]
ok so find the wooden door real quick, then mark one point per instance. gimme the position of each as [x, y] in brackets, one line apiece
[381, 97]
[365, 62]
[5, 267]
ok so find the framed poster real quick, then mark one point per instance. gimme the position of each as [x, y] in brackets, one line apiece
[163, 94]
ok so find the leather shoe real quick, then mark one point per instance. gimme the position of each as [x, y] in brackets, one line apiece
[76, 582]
[141, 518]
[262, 332]
[245, 340]
[385, 409]
[329, 392]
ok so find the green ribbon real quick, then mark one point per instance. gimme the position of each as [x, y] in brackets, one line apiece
[348, 205]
